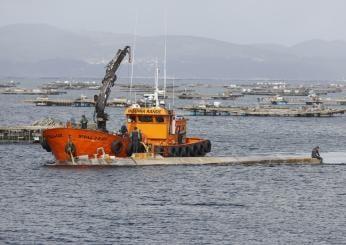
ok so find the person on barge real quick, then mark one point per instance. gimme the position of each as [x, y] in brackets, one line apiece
[316, 153]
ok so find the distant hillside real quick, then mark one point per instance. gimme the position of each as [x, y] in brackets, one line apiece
[42, 50]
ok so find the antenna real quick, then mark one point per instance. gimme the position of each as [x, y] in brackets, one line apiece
[133, 54]
[173, 93]
[157, 104]
[165, 58]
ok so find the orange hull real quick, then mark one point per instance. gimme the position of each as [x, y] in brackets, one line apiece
[85, 142]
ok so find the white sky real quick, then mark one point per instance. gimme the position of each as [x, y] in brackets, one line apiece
[238, 21]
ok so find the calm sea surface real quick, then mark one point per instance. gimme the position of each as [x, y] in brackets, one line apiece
[178, 204]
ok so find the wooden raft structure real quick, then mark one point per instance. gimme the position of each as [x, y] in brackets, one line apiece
[263, 112]
[26, 133]
[74, 102]
[20, 134]
[143, 159]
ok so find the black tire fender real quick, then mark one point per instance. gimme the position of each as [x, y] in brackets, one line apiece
[195, 149]
[159, 150]
[207, 146]
[189, 151]
[178, 151]
[44, 144]
[183, 151]
[117, 147]
[172, 151]
[200, 149]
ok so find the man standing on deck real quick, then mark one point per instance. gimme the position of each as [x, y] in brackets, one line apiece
[135, 138]
[123, 130]
[84, 122]
[316, 153]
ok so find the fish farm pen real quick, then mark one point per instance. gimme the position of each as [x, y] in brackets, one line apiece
[26, 134]
[261, 112]
[20, 134]
[74, 103]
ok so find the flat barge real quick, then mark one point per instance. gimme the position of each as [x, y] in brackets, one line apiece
[145, 159]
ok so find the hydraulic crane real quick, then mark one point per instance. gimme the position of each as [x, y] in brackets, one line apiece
[107, 83]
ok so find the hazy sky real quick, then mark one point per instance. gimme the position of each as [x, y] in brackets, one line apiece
[238, 21]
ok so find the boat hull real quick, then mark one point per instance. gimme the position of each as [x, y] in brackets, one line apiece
[82, 142]
[65, 143]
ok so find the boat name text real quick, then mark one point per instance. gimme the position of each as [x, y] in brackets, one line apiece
[98, 138]
[141, 110]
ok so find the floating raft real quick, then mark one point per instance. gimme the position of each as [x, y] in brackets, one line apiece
[140, 160]
[26, 133]
[20, 134]
[74, 102]
[263, 112]
[224, 96]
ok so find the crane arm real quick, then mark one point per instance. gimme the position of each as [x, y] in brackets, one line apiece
[107, 83]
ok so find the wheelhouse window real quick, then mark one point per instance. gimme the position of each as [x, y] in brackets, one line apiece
[145, 118]
[131, 118]
[160, 119]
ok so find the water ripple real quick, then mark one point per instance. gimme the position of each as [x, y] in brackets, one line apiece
[178, 204]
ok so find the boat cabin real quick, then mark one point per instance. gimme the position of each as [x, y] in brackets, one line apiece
[158, 126]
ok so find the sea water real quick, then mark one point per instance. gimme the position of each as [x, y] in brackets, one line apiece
[300, 204]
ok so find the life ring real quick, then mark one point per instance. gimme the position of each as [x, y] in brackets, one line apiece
[70, 148]
[117, 147]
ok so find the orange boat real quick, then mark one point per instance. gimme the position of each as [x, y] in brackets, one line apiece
[161, 131]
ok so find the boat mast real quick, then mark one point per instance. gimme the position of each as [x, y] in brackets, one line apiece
[133, 55]
[165, 60]
[173, 93]
[156, 94]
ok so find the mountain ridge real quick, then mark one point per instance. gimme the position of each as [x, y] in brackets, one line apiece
[44, 50]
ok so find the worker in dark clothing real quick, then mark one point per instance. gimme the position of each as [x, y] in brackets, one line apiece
[181, 137]
[123, 130]
[136, 139]
[316, 153]
[84, 122]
